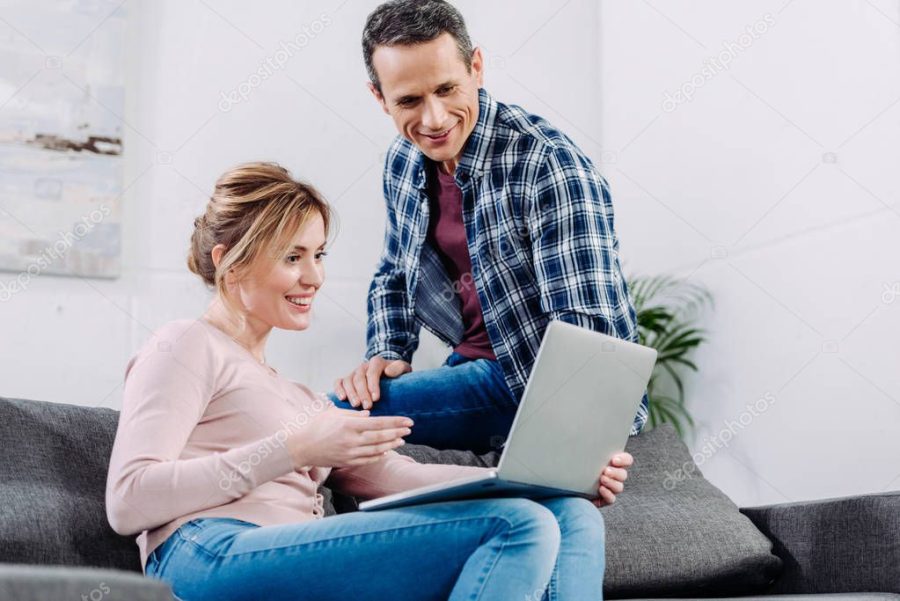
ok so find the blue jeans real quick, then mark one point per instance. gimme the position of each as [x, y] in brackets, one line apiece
[465, 404]
[488, 550]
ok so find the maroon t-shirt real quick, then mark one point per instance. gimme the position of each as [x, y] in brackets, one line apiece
[447, 234]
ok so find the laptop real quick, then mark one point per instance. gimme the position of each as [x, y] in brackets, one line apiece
[576, 413]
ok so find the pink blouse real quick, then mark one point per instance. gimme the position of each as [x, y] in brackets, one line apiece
[202, 434]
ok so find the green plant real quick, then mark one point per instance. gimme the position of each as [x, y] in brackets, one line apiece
[667, 309]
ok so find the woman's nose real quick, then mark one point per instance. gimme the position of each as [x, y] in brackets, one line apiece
[313, 275]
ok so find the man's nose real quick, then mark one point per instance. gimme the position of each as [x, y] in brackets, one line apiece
[434, 116]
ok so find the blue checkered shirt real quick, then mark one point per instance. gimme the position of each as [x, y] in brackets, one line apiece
[539, 223]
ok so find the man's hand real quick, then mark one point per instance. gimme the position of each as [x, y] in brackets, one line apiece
[362, 386]
[612, 479]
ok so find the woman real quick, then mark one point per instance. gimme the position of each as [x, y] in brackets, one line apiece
[218, 459]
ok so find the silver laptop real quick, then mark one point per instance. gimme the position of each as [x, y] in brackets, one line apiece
[576, 413]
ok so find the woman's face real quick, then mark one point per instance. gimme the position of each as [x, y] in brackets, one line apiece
[278, 291]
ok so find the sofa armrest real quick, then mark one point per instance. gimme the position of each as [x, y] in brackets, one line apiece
[849, 544]
[62, 583]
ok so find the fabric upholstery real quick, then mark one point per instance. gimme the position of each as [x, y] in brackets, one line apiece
[54, 583]
[835, 545]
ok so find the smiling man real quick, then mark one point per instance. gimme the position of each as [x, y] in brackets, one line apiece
[497, 223]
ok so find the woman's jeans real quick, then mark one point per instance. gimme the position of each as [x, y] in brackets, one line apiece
[486, 549]
[465, 404]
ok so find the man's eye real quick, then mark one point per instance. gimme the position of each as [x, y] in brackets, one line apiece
[445, 91]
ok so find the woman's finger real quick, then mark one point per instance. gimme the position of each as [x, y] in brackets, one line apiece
[378, 449]
[622, 460]
[371, 437]
[614, 485]
[607, 495]
[616, 473]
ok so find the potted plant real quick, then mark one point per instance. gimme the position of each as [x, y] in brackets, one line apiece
[667, 311]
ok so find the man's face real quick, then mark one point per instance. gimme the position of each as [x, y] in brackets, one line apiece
[430, 95]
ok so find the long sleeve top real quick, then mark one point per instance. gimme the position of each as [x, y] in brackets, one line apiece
[203, 431]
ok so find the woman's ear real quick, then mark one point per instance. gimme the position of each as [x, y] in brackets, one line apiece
[217, 253]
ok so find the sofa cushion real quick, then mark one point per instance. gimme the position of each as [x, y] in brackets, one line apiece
[41, 583]
[835, 545]
[53, 464]
[671, 532]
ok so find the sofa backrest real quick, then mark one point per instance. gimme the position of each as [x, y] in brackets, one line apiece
[53, 463]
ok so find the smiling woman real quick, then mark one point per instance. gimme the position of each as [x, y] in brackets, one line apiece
[260, 244]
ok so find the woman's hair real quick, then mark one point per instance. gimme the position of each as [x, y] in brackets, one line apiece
[255, 208]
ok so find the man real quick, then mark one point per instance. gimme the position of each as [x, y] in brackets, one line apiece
[496, 224]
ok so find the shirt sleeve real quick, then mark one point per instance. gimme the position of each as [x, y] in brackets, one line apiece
[167, 388]
[392, 331]
[395, 473]
[576, 251]
[575, 248]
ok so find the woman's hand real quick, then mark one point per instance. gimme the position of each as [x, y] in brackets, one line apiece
[612, 479]
[342, 438]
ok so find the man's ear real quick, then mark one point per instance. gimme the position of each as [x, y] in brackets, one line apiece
[378, 97]
[478, 66]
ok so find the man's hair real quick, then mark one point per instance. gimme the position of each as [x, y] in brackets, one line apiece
[410, 22]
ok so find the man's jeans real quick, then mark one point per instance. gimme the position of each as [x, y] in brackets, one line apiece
[465, 404]
[488, 549]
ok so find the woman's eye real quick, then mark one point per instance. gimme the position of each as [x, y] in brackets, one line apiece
[321, 255]
[293, 258]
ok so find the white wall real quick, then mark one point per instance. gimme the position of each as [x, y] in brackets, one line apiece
[776, 187]
[688, 185]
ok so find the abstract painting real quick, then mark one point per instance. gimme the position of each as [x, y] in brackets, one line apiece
[61, 106]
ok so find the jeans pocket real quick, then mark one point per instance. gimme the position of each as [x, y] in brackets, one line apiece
[208, 535]
[188, 530]
[159, 558]
[152, 563]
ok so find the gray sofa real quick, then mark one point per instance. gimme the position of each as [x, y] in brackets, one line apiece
[672, 534]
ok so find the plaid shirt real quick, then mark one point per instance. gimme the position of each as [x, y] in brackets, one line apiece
[539, 223]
